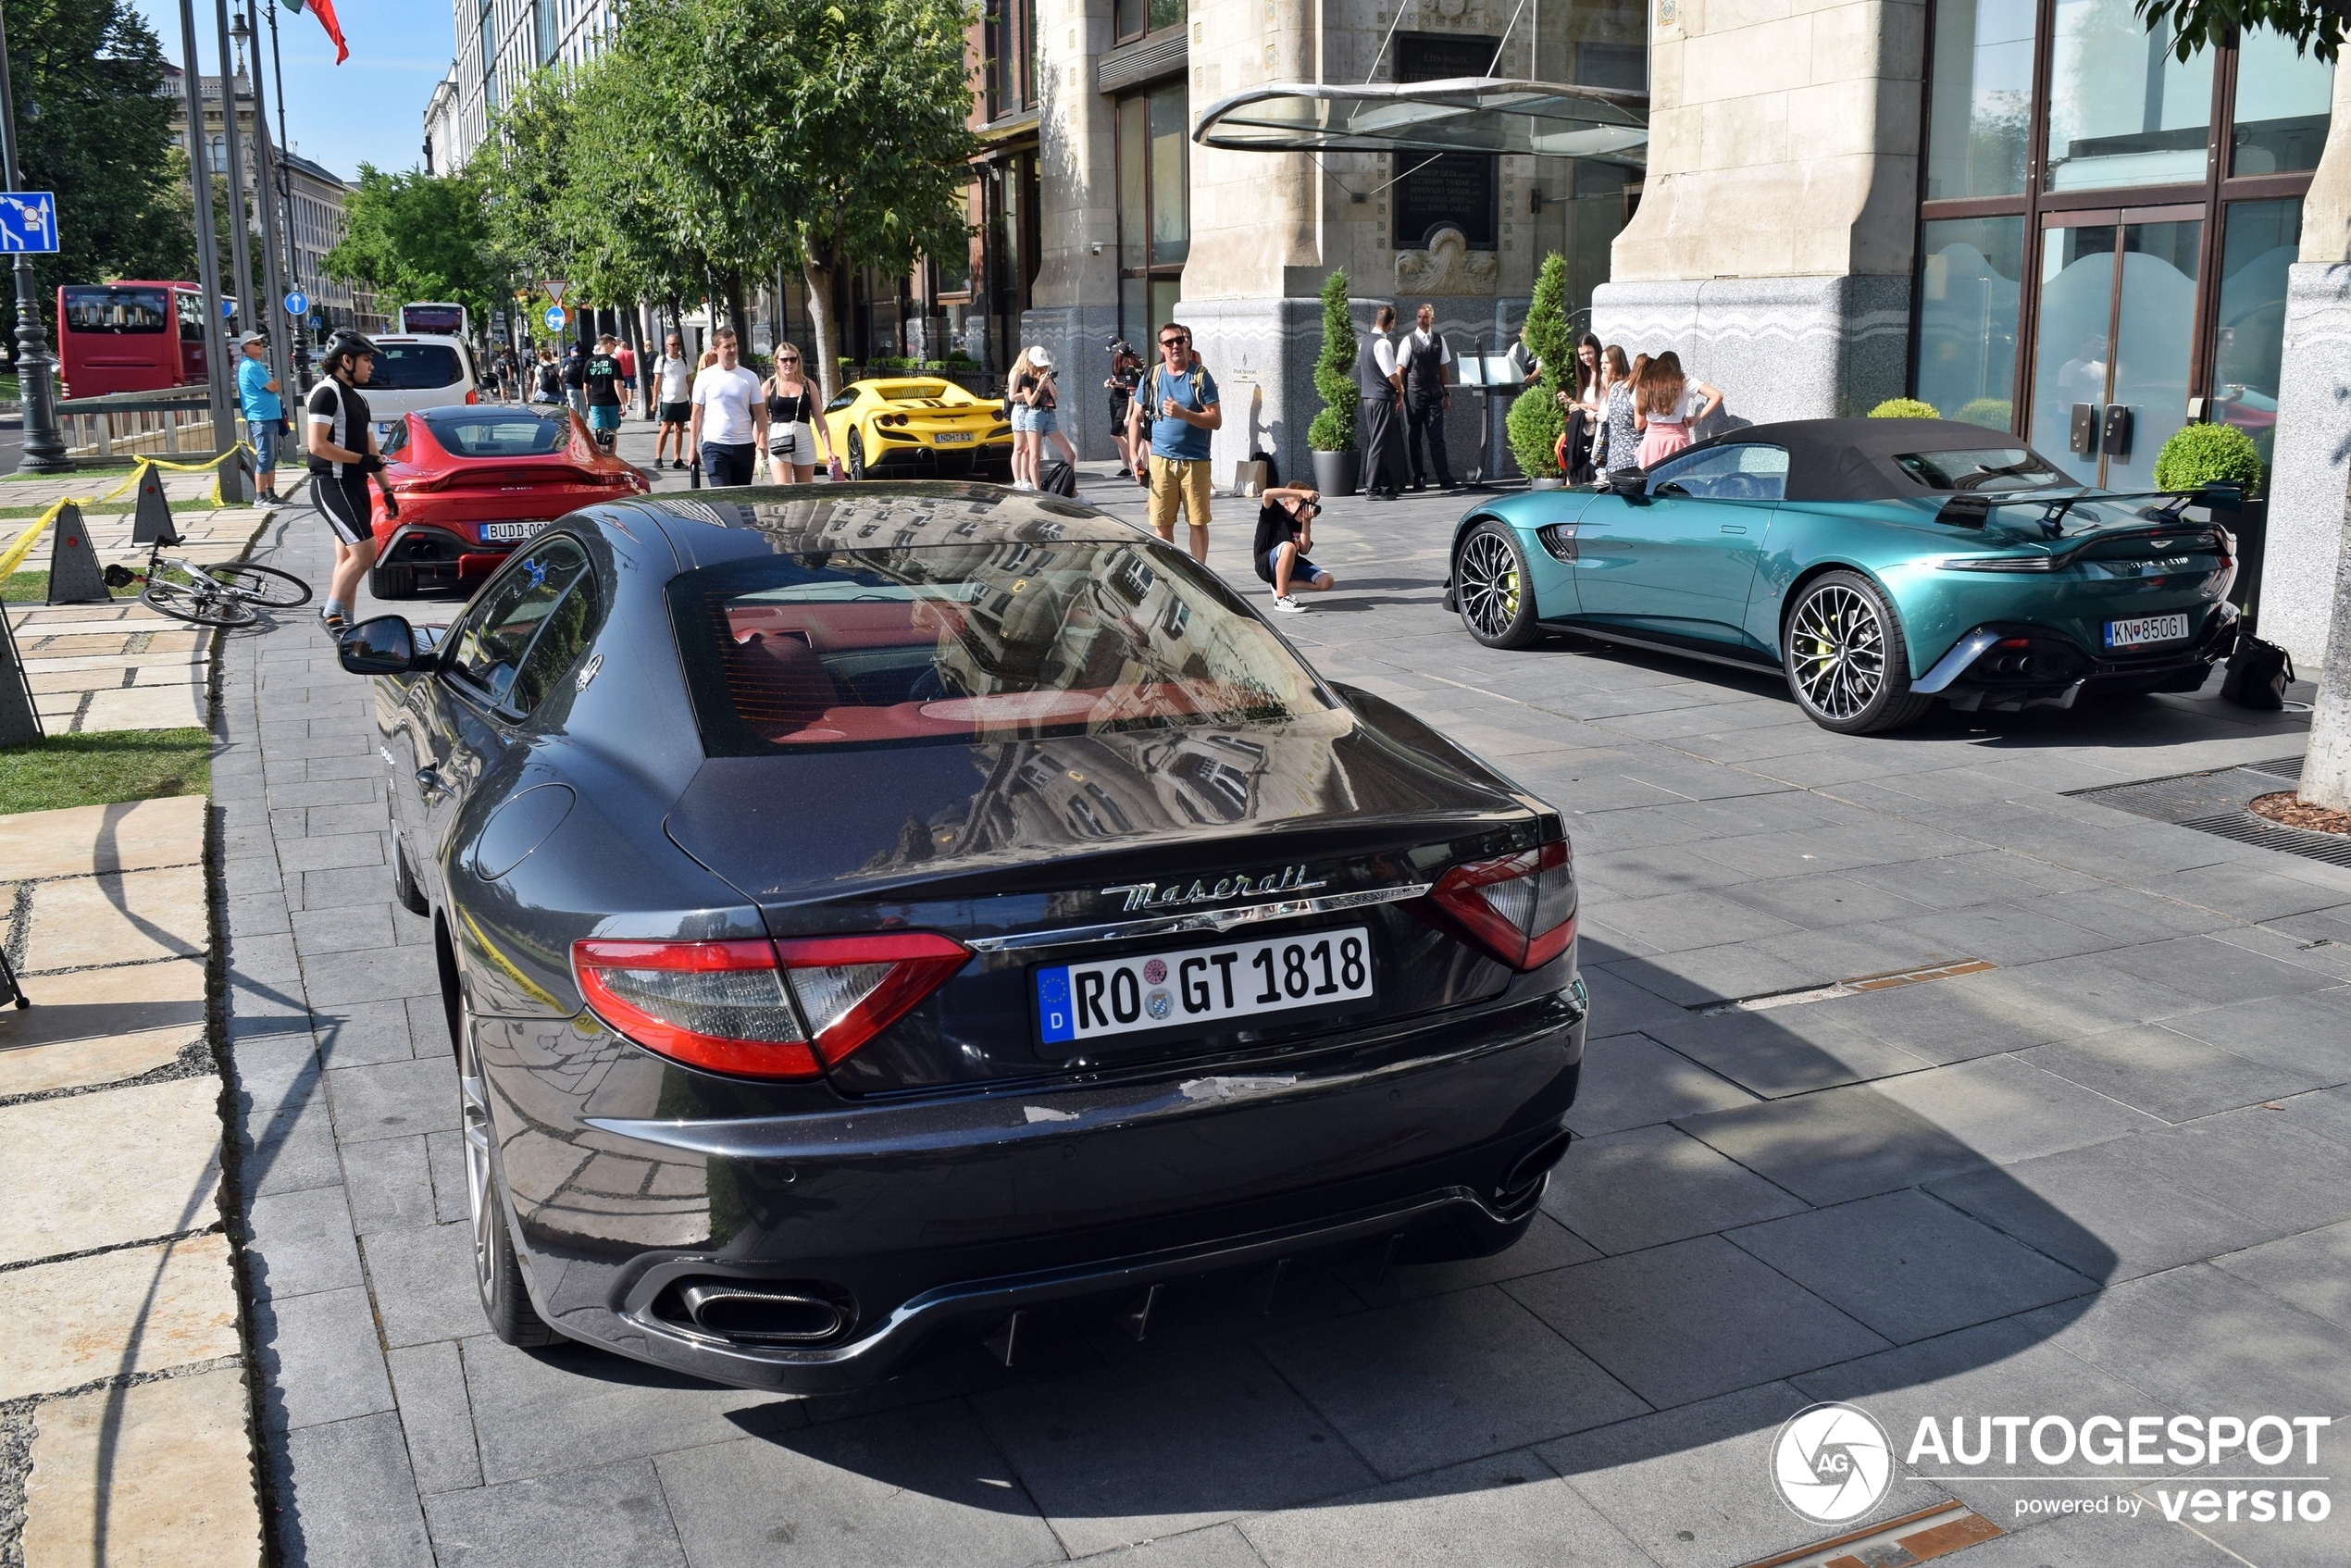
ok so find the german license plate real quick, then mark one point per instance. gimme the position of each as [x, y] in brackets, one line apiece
[1197, 986]
[947, 436]
[495, 533]
[2145, 629]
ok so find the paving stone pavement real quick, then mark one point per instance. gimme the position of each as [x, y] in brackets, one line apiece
[124, 1408]
[2109, 1173]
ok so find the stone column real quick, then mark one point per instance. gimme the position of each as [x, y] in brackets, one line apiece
[1773, 249]
[1074, 303]
[2311, 463]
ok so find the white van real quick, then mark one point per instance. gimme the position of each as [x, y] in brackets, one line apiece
[419, 370]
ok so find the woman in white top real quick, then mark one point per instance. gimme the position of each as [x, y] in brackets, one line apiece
[1665, 400]
[1580, 441]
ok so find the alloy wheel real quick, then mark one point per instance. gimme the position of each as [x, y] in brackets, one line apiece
[1837, 650]
[473, 1102]
[1488, 585]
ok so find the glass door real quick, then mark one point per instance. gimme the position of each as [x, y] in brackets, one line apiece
[2114, 342]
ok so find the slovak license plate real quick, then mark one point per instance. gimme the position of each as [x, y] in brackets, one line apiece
[1201, 986]
[494, 533]
[2145, 629]
[945, 436]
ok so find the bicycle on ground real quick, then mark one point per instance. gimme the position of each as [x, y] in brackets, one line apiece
[217, 593]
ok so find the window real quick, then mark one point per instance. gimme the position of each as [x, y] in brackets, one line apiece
[491, 645]
[114, 310]
[1154, 212]
[564, 634]
[2259, 241]
[2123, 109]
[497, 432]
[1135, 18]
[1970, 277]
[2283, 100]
[415, 367]
[958, 644]
[1982, 99]
[1010, 32]
[1747, 471]
[1988, 468]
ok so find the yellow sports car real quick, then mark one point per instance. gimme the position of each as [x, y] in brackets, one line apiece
[919, 426]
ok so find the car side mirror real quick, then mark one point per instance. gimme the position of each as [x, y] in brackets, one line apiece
[1629, 482]
[385, 645]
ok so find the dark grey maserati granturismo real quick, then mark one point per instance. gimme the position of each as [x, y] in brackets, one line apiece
[870, 911]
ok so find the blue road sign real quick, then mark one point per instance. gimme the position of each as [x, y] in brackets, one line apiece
[556, 318]
[228, 308]
[297, 303]
[27, 220]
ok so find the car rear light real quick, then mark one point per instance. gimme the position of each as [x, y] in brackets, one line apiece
[759, 1009]
[472, 395]
[1519, 907]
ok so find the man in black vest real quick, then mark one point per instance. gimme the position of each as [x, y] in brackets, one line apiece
[1381, 384]
[1423, 360]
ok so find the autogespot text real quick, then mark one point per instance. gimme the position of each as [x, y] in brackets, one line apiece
[2268, 1445]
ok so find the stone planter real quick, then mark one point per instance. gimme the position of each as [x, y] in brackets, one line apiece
[1338, 473]
[1546, 481]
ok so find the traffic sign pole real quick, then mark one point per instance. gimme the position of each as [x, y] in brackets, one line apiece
[44, 449]
[217, 368]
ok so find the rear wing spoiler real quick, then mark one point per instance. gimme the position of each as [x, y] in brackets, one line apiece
[1969, 509]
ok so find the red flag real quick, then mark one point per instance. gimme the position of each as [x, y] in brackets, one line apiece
[325, 11]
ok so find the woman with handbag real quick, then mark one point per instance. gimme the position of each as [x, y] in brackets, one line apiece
[793, 429]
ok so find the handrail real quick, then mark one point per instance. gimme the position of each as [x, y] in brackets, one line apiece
[133, 401]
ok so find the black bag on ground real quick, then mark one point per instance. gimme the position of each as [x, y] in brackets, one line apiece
[1057, 478]
[1273, 470]
[2258, 674]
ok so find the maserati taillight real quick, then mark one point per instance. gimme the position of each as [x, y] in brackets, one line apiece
[1519, 907]
[759, 1009]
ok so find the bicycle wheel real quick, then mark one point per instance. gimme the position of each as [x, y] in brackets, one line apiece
[265, 586]
[199, 606]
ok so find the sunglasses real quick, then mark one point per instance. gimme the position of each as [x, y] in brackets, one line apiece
[1174, 343]
[788, 359]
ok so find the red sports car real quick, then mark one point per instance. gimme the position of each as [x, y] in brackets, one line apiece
[475, 480]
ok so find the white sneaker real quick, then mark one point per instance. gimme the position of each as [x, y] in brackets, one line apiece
[1023, 484]
[1288, 606]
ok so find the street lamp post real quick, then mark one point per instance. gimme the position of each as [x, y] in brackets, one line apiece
[266, 198]
[207, 256]
[44, 449]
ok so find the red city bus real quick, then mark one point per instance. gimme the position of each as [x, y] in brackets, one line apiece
[130, 337]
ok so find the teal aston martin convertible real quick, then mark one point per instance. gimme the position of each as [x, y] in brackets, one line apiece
[1881, 563]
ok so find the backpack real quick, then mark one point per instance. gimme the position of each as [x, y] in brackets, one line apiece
[2258, 674]
[1057, 478]
[551, 381]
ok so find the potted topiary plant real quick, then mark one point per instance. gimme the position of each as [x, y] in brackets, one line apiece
[2201, 454]
[1536, 420]
[1905, 409]
[1338, 467]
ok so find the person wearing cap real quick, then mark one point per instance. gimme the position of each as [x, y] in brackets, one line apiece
[1035, 399]
[1125, 374]
[342, 454]
[264, 410]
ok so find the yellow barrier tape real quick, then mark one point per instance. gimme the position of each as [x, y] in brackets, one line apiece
[15, 555]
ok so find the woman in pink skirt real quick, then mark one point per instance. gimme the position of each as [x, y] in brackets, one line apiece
[1665, 403]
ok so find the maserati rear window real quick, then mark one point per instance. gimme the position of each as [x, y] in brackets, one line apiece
[972, 643]
[1981, 469]
[498, 432]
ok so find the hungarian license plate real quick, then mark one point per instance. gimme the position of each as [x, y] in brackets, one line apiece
[947, 436]
[1199, 985]
[495, 533]
[2144, 629]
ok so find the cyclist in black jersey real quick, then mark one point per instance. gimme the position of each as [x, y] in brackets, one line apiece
[341, 442]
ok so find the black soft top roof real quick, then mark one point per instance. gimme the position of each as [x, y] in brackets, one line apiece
[1853, 459]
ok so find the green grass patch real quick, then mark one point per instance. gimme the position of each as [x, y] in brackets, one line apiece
[121, 506]
[32, 588]
[100, 769]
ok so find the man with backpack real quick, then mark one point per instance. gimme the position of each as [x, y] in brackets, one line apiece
[1180, 399]
[576, 379]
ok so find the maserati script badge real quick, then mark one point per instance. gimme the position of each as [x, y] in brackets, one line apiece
[1150, 895]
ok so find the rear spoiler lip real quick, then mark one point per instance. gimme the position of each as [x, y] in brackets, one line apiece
[1972, 508]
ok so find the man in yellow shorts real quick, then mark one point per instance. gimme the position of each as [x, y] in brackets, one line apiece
[1181, 400]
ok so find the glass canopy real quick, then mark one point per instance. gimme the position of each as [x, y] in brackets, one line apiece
[1470, 114]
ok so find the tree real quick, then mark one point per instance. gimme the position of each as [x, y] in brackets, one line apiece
[829, 136]
[417, 236]
[1333, 429]
[2317, 26]
[92, 125]
[1536, 421]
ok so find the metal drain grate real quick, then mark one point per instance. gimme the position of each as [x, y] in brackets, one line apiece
[2259, 831]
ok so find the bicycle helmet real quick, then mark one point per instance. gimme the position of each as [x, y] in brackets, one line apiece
[348, 345]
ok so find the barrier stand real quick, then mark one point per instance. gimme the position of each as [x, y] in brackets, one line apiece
[153, 523]
[74, 576]
[19, 719]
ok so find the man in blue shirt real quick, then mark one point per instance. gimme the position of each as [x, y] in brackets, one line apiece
[265, 414]
[1179, 398]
